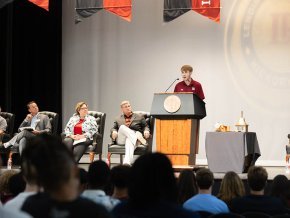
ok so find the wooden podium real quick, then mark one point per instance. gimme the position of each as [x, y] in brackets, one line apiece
[177, 125]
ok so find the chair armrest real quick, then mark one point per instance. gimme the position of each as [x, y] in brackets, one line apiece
[96, 138]
[62, 135]
[111, 143]
[97, 143]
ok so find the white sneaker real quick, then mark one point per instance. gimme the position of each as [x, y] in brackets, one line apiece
[141, 138]
[7, 144]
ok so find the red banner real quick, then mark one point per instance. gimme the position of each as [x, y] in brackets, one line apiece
[208, 8]
[122, 8]
[41, 3]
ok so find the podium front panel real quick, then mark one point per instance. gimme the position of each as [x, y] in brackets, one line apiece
[178, 139]
[192, 107]
[177, 131]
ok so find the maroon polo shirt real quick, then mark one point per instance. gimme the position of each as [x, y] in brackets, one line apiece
[194, 87]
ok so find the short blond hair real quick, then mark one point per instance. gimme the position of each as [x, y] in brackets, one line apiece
[186, 68]
[124, 102]
[79, 105]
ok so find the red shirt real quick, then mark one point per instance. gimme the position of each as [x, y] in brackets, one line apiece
[194, 87]
[78, 127]
[128, 119]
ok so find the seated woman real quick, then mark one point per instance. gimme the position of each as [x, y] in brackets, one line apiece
[231, 187]
[79, 130]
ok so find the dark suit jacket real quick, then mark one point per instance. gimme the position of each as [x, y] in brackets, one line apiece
[43, 125]
[138, 123]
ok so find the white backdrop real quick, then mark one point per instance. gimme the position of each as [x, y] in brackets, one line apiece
[243, 63]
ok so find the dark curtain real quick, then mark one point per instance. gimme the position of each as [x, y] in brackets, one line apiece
[30, 57]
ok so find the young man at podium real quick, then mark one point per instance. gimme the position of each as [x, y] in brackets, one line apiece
[188, 84]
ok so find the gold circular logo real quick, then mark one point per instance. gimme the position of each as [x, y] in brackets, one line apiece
[172, 103]
[257, 57]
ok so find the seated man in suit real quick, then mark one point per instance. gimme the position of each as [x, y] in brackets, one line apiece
[38, 122]
[3, 125]
[128, 129]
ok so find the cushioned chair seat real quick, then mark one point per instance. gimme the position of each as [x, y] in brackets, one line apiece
[120, 149]
[53, 118]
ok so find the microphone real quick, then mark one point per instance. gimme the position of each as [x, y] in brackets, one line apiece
[171, 84]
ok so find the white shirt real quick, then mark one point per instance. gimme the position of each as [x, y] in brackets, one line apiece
[100, 197]
[34, 121]
[17, 202]
[5, 213]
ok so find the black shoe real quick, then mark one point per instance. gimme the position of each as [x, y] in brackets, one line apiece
[91, 148]
[2, 148]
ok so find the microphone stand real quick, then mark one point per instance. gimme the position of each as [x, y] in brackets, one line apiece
[171, 84]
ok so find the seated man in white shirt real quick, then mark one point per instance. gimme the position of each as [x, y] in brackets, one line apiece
[39, 124]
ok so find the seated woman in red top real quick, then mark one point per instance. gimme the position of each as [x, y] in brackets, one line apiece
[79, 130]
[188, 84]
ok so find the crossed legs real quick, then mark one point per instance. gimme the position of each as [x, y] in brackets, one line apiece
[128, 137]
[19, 140]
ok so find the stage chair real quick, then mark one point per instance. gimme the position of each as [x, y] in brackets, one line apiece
[9, 117]
[53, 118]
[97, 146]
[118, 149]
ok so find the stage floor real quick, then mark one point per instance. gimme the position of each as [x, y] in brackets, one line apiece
[272, 171]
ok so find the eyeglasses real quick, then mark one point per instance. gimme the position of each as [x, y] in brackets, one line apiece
[83, 108]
